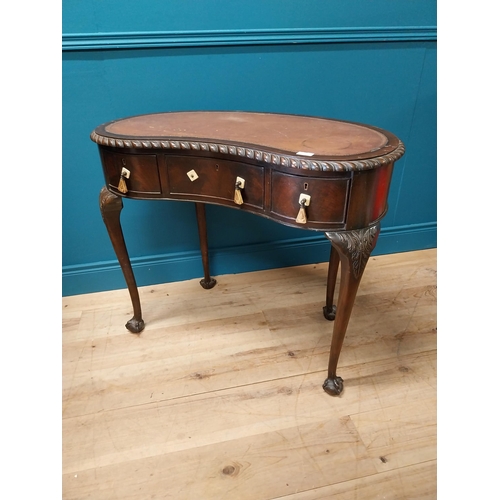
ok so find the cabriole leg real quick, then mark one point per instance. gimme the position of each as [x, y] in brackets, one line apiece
[207, 282]
[330, 310]
[354, 249]
[111, 207]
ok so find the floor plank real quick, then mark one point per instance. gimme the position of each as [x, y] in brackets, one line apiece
[220, 396]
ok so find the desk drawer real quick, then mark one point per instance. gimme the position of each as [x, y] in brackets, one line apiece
[144, 177]
[328, 203]
[214, 180]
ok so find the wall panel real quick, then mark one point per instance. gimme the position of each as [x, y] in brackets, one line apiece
[315, 59]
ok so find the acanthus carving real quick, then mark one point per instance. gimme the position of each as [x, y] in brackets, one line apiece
[357, 244]
[265, 156]
[109, 201]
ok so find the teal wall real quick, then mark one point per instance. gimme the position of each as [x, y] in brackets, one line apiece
[371, 61]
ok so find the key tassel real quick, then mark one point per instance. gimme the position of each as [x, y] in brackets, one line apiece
[238, 198]
[301, 216]
[122, 185]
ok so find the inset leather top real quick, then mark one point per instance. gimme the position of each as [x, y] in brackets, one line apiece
[290, 140]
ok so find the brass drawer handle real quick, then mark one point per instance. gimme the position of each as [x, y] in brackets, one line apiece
[304, 201]
[240, 184]
[122, 185]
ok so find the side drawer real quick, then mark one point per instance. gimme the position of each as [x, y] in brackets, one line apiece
[144, 176]
[207, 178]
[328, 202]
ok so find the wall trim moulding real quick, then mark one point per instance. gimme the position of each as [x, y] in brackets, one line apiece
[207, 38]
[102, 276]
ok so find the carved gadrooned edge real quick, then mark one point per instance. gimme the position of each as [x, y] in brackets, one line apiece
[267, 157]
[359, 245]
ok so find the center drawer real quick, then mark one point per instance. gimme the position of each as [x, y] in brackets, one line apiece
[214, 180]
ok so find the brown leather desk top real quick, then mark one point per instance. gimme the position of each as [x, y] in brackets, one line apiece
[300, 137]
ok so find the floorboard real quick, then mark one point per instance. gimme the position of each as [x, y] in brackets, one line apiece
[220, 396]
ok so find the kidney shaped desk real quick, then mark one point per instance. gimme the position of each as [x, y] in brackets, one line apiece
[311, 173]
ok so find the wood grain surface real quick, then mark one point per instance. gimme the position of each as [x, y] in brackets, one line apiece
[220, 396]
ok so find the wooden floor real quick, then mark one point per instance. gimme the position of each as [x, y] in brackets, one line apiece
[220, 396]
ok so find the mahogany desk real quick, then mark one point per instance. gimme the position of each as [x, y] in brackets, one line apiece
[312, 173]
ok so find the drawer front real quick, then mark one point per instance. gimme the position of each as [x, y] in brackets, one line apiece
[144, 177]
[207, 178]
[327, 204]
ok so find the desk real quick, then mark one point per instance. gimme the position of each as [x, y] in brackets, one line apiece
[312, 173]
